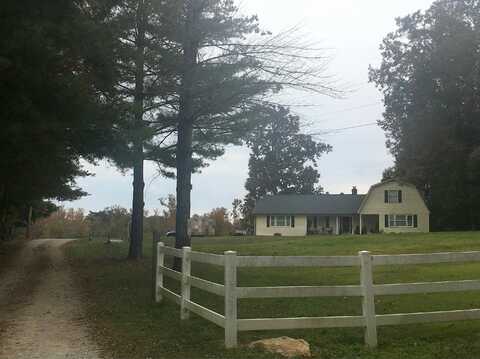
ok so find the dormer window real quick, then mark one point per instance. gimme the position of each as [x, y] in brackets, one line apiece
[393, 196]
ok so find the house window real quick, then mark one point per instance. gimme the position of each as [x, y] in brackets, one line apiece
[392, 196]
[400, 220]
[280, 221]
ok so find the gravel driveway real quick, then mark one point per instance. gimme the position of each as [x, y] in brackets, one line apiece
[41, 312]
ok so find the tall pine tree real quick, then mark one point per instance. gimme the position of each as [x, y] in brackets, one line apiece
[228, 68]
[144, 91]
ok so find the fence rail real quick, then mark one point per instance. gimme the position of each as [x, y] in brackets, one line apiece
[367, 290]
[334, 261]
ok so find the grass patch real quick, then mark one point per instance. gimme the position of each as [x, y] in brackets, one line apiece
[129, 325]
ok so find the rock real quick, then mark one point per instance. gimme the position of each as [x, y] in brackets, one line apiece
[285, 346]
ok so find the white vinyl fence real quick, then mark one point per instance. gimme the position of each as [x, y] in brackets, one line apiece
[367, 290]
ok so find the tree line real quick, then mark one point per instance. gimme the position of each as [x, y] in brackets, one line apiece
[114, 222]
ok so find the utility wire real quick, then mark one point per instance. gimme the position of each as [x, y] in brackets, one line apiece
[338, 130]
[339, 111]
[350, 109]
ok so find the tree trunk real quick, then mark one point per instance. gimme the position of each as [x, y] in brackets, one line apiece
[28, 234]
[3, 213]
[185, 133]
[136, 235]
[184, 183]
[136, 229]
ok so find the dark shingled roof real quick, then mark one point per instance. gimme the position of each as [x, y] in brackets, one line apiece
[309, 204]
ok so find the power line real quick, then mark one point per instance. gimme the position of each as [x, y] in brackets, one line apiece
[337, 130]
[350, 109]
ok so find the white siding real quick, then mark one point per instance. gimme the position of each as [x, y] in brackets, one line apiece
[299, 230]
[412, 204]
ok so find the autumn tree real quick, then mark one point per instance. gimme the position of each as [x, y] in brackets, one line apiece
[223, 226]
[170, 211]
[111, 222]
[63, 223]
[236, 212]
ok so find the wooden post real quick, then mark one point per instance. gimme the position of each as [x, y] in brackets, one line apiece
[337, 229]
[368, 306]
[231, 329]
[160, 262]
[186, 271]
[155, 240]
[361, 225]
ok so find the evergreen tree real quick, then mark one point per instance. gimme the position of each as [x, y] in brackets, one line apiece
[144, 92]
[55, 76]
[227, 69]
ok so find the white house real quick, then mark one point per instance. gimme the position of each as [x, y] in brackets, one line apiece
[391, 206]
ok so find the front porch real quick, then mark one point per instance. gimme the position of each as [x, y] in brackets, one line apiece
[342, 224]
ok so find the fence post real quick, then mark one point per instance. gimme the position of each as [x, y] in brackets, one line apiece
[155, 240]
[231, 329]
[186, 271]
[368, 306]
[160, 259]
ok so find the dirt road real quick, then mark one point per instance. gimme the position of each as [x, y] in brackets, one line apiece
[41, 312]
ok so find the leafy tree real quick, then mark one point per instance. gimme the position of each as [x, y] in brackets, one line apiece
[223, 227]
[236, 212]
[170, 211]
[430, 77]
[55, 76]
[110, 222]
[283, 160]
[63, 223]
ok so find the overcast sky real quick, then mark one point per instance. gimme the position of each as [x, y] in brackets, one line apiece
[352, 30]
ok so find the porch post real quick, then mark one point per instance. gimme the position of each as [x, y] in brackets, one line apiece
[353, 228]
[337, 230]
[360, 224]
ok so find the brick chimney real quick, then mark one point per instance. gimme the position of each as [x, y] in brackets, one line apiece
[354, 190]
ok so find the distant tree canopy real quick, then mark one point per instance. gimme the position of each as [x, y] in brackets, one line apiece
[112, 222]
[283, 160]
[430, 79]
[223, 226]
[54, 78]
[63, 223]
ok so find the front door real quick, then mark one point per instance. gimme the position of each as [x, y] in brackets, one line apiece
[346, 225]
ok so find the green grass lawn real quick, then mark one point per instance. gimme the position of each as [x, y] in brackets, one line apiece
[128, 324]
